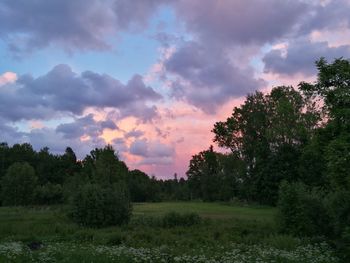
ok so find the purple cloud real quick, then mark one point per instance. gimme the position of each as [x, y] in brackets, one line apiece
[240, 22]
[63, 91]
[71, 25]
[206, 77]
[135, 14]
[326, 15]
[152, 152]
[139, 147]
[301, 56]
[84, 126]
[28, 25]
[134, 133]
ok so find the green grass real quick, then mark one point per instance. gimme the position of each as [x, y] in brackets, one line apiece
[21, 223]
[221, 225]
[224, 227]
[207, 210]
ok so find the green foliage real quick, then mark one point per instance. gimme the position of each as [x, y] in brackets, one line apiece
[49, 194]
[141, 187]
[51, 170]
[301, 212]
[174, 219]
[227, 237]
[338, 206]
[337, 155]
[116, 238]
[71, 185]
[84, 235]
[97, 206]
[16, 252]
[333, 85]
[209, 171]
[103, 166]
[283, 241]
[267, 134]
[312, 164]
[18, 185]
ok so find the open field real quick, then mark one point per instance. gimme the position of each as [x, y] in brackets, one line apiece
[207, 210]
[226, 233]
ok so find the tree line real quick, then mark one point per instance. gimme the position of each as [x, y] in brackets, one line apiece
[30, 177]
[289, 148]
[287, 134]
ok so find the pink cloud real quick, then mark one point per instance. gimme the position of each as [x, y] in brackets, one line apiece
[189, 132]
[8, 77]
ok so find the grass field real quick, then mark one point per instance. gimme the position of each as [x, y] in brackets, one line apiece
[207, 210]
[227, 233]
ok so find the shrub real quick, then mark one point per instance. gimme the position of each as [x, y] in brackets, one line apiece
[116, 239]
[146, 221]
[97, 206]
[173, 219]
[18, 185]
[86, 235]
[338, 206]
[301, 212]
[285, 242]
[49, 194]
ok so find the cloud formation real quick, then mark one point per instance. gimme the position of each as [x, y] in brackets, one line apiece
[7, 77]
[325, 15]
[300, 57]
[85, 126]
[207, 78]
[134, 133]
[72, 25]
[28, 25]
[152, 152]
[240, 22]
[63, 91]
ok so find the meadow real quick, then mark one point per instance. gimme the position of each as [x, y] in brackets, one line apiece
[225, 233]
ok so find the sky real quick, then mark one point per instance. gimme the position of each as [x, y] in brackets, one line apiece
[151, 77]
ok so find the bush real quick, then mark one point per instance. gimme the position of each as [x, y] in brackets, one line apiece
[338, 206]
[96, 206]
[116, 239]
[86, 235]
[49, 194]
[285, 242]
[18, 185]
[146, 221]
[173, 219]
[301, 212]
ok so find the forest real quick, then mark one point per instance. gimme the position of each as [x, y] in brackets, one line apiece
[288, 149]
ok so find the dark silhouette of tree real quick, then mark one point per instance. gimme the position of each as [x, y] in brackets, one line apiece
[18, 185]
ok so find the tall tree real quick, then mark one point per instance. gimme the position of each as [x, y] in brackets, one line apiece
[18, 185]
[104, 166]
[203, 175]
[267, 132]
[333, 88]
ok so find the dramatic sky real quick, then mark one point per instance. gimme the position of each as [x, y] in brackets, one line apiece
[151, 77]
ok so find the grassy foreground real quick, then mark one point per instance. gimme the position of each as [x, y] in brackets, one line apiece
[227, 233]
